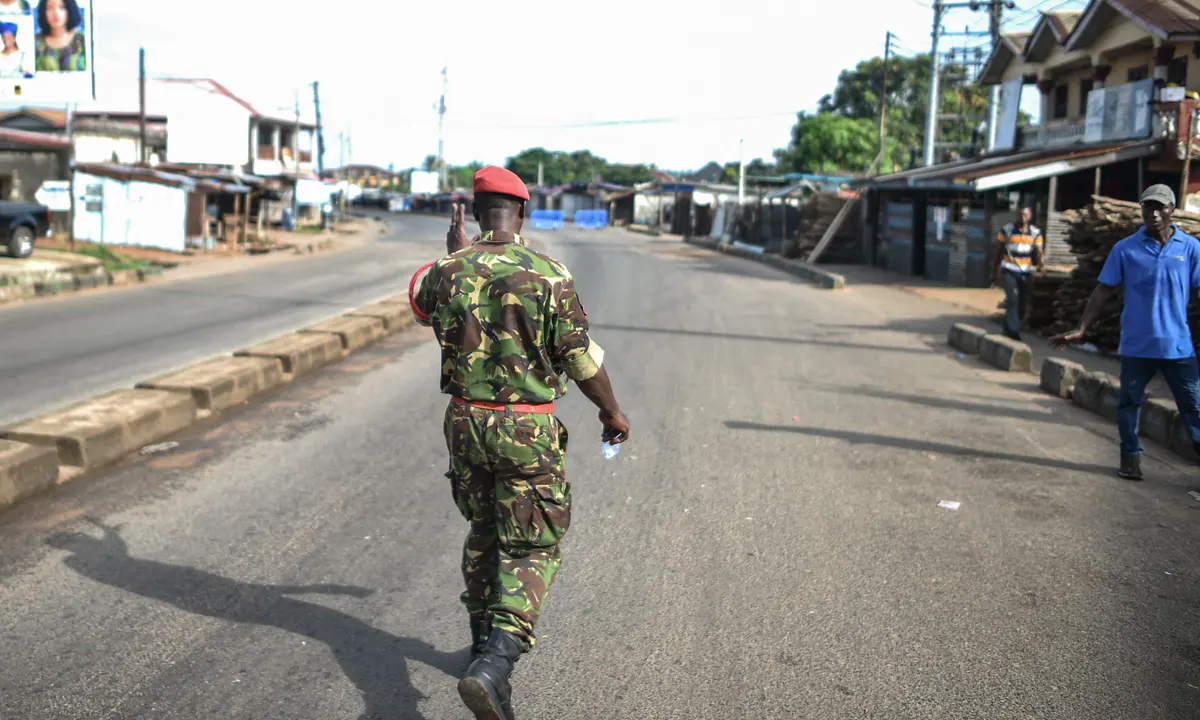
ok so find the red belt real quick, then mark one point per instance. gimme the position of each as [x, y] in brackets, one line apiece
[544, 408]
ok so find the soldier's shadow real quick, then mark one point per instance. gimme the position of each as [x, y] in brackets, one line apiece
[374, 660]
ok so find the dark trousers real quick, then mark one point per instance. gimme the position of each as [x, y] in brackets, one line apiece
[1016, 299]
[1182, 376]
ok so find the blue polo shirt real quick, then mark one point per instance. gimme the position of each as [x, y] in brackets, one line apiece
[1158, 282]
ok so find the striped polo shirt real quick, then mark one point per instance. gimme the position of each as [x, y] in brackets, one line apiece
[1018, 247]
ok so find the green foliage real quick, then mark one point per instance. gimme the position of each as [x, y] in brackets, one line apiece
[846, 126]
[559, 168]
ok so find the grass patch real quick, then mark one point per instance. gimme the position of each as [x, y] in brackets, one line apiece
[111, 260]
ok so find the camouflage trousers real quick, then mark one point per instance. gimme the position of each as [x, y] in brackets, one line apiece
[508, 479]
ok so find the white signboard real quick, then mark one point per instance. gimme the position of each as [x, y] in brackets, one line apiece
[423, 183]
[1119, 113]
[940, 216]
[1010, 113]
[47, 52]
[312, 192]
[55, 194]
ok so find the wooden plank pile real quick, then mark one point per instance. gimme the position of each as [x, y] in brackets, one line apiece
[818, 215]
[1043, 291]
[1092, 234]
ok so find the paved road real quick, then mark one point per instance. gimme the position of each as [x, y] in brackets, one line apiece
[768, 546]
[59, 351]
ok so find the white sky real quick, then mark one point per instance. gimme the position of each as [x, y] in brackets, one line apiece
[710, 63]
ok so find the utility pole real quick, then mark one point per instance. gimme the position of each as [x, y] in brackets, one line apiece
[994, 19]
[143, 156]
[296, 165]
[741, 172]
[931, 120]
[71, 172]
[541, 174]
[883, 92]
[441, 108]
[320, 131]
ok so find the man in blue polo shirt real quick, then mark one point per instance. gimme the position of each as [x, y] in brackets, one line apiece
[1159, 266]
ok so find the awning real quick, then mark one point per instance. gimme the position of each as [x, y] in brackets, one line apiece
[1000, 171]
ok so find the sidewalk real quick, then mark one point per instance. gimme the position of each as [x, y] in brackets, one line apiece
[935, 306]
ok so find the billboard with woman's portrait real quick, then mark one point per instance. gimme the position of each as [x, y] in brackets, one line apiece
[47, 50]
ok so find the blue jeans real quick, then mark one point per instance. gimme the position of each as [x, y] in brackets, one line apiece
[1016, 298]
[1182, 376]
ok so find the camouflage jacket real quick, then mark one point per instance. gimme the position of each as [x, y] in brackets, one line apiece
[508, 321]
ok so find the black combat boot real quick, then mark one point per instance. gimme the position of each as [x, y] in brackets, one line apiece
[481, 627]
[485, 688]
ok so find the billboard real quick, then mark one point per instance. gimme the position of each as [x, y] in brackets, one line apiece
[423, 183]
[47, 51]
[1009, 114]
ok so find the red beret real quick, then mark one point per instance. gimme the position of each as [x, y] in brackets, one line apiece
[497, 180]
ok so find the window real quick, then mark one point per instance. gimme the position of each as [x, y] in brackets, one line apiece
[1061, 94]
[1085, 87]
[1177, 71]
[1138, 73]
[266, 135]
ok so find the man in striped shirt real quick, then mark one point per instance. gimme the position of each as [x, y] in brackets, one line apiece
[1018, 249]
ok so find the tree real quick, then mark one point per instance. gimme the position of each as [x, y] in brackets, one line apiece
[829, 143]
[856, 98]
[559, 168]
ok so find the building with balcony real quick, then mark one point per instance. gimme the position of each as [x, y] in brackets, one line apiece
[1117, 89]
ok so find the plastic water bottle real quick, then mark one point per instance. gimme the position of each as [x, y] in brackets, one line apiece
[609, 450]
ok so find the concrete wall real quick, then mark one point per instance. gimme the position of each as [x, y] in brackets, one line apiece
[94, 148]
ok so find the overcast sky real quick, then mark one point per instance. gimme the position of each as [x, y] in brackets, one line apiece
[518, 73]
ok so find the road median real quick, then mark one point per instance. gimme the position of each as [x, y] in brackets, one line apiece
[102, 430]
[220, 383]
[354, 332]
[299, 352]
[41, 452]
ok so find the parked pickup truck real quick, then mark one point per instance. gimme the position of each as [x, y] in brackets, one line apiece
[22, 223]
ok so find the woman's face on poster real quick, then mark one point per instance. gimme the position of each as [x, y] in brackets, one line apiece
[10, 40]
[56, 15]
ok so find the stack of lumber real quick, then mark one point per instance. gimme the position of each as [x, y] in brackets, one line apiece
[1043, 291]
[1092, 234]
[818, 215]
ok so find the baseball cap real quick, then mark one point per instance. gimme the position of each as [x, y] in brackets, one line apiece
[1160, 194]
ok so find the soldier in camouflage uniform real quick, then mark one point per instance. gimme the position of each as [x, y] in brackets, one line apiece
[510, 326]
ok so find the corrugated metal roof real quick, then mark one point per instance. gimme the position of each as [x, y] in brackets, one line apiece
[966, 175]
[1172, 17]
[34, 139]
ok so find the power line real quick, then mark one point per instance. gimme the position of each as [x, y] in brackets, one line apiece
[606, 123]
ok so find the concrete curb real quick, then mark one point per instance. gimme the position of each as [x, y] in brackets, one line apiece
[1099, 392]
[965, 338]
[220, 383]
[25, 470]
[354, 332]
[822, 278]
[1006, 354]
[39, 453]
[100, 431]
[1058, 377]
[299, 352]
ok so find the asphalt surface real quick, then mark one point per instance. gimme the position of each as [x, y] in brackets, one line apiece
[59, 351]
[767, 546]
